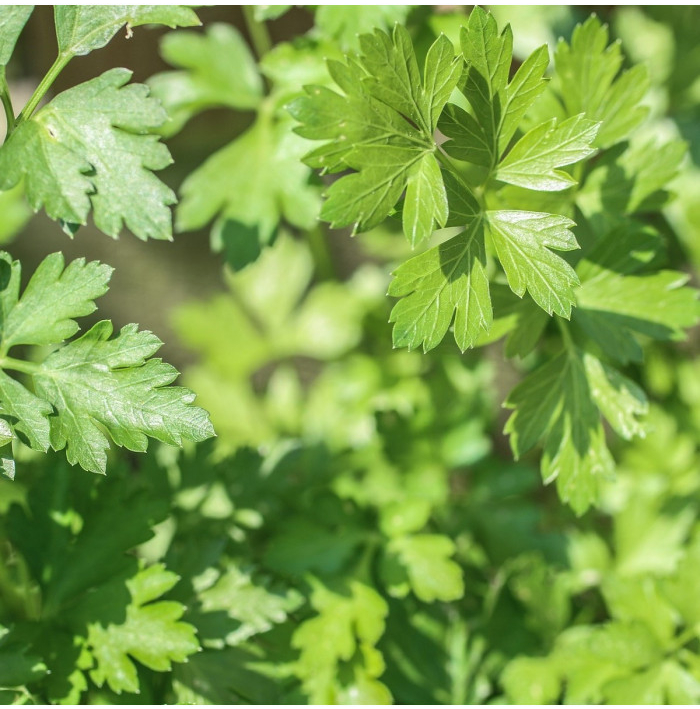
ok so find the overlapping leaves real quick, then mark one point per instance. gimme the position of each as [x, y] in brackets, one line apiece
[375, 129]
[89, 148]
[383, 128]
[90, 385]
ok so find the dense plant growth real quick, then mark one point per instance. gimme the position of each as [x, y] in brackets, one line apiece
[360, 530]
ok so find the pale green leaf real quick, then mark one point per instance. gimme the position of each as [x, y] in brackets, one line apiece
[82, 28]
[533, 160]
[265, 183]
[89, 147]
[254, 606]
[523, 241]
[531, 680]
[523, 90]
[344, 23]
[618, 398]
[348, 625]
[216, 69]
[12, 21]
[152, 634]
[586, 70]
[431, 572]
[263, 13]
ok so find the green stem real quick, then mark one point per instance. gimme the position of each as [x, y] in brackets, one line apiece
[18, 365]
[6, 102]
[566, 335]
[51, 75]
[444, 158]
[321, 253]
[259, 35]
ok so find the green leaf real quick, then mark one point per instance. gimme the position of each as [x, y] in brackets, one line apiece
[591, 658]
[96, 384]
[269, 12]
[618, 398]
[82, 28]
[345, 23]
[254, 606]
[613, 307]
[520, 319]
[265, 183]
[345, 631]
[91, 384]
[444, 282]
[18, 666]
[523, 241]
[151, 634]
[89, 147]
[586, 70]
[531, 680]
[217, 69]
[431, 573]
[532, 161]
[31, 412]
[425, 203]
[12, 21]
[555, 404]
[55, 294]
[382, 127]
[498, 106]
[631, 181]
[440, 77]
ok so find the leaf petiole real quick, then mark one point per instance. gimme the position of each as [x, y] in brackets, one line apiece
[6, 102]
[566, 335]
[51, 75]
[18, 365]
[257, 30]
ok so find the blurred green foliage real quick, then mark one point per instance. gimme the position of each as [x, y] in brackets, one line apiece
[359, 531]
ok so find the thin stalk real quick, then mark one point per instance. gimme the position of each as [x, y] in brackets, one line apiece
[322, 256]
[6, 102]
[445, 159]
[18, 365]
[259, 35]
[51, 75]
[565, 334]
